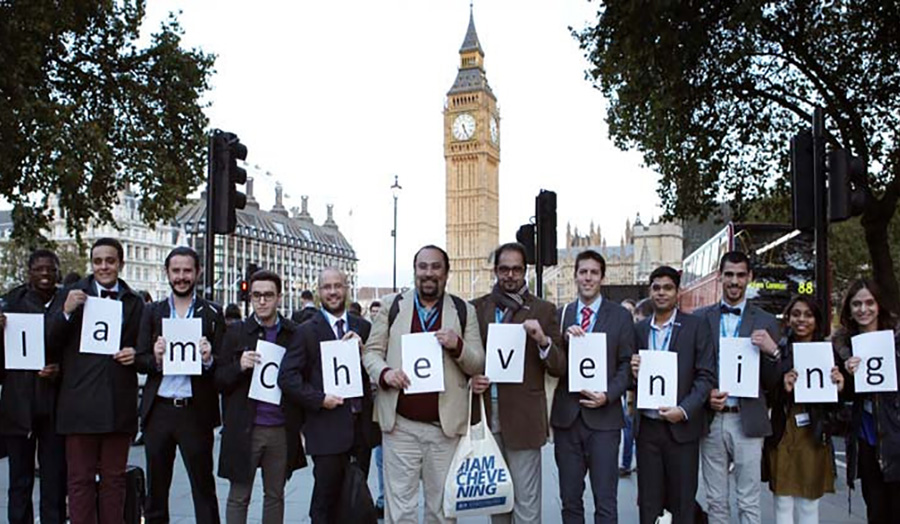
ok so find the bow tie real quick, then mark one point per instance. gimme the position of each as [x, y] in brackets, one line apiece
[105, 293]
[728, 310]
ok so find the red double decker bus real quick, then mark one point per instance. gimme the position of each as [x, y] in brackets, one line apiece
[783, 264]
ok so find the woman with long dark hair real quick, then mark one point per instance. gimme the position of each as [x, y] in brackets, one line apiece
[799, 456]
[873, 443]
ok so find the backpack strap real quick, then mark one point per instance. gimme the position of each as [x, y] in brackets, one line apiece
[395, 308]
[459, 303]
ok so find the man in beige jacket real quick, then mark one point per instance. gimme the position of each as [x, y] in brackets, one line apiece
[420, 431]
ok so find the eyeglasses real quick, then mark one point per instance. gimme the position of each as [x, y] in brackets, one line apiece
[510, 270]
[268, 296]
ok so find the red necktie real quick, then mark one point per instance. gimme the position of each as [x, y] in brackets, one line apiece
[586, 314]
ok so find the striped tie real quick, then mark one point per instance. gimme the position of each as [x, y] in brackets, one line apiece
[586, 314]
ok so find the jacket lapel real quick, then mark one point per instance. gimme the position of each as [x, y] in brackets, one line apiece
[602, 317]
[323, 329]
[569, 315]
[676, 329]
[747, 321]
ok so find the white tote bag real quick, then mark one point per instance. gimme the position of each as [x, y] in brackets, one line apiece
[478, 482]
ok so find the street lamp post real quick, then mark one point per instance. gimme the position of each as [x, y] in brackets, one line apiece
[395, 189]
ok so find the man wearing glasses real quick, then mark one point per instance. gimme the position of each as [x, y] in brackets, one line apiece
[517, 413]
[257, 433]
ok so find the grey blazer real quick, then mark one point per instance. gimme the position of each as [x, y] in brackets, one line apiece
[754, 411]
[697, 374]
[618, 325]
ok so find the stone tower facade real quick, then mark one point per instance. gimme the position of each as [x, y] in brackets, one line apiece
[472, 156]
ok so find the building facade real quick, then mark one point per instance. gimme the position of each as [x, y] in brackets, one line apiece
[290, 244]
[472, 156]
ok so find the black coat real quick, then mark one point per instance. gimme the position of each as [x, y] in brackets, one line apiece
[97, 395]
[203, 388]
[25, 396]
[327, 431]
[234, 383]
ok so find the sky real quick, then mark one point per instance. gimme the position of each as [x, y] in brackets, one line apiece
[334, 98]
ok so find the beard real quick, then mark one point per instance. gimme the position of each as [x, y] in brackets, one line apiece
[182, 294]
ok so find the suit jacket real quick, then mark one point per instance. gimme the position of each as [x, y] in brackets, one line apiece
[97, 395]
[754, 411]
[617, 323]
[234, 383]
[327, 431]
[203, 387]
[523, 407]
[696, 373]
[383, 350]
[302, 315]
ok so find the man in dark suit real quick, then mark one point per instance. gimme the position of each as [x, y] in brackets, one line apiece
[28, 406]
[180, 410]
[336, 429]
[738, 426]
[97, 407]
[586, 425]
[307, 309]
[517, 413]
[668, 439]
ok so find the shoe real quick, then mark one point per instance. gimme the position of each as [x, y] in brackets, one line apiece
[624, 472]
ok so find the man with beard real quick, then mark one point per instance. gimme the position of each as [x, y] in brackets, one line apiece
[517, 413]
[336, 429]
[587, 424]
[668, 438]
[180, 410]
[738, 426]
[420, 432]
[97, 408]
[28, 407]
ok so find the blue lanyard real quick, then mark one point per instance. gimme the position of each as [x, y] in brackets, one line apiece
[426, 317]
[665, 344]
[498, 315]
[190, 311]
[737, 328]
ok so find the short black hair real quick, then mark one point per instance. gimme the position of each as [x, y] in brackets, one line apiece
[590, 254]
[42, 253]
[306, 295]
[375, 303]
[145, 296]
[735, 257]
[70, 278]
[266, 275]
[666, 271]
[111, 242]
[233, 312]
[355, 308]
[510, 246]
[183, 251]
[432, 246]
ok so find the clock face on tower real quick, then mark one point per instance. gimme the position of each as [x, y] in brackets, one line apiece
[464, 127]
[495, 131]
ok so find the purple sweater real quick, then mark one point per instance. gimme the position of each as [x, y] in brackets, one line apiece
[269, 414]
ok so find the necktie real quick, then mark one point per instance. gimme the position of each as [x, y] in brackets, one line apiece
[586, 314]
[728, 310]
[340, 328]
[105, 293]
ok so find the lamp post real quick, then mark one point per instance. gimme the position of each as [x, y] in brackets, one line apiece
[395, 190]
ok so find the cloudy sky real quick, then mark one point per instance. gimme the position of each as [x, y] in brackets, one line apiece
[333, 98]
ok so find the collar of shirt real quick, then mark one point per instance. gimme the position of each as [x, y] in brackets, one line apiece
[332, 320]
[742, 305]
[277, 325]
[595, 305]
[730, 324]
[99, 288]
[667, 327]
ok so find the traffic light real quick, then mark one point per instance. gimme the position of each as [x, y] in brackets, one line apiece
[251, 268]
[545, 204]
[525, 236]
[845, 193]
[244, 290]
[225, 150]
[802, 181]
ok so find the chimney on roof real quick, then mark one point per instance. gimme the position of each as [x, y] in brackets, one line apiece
[304, 215]
[251, 202]
[279, 208]
[329, 220]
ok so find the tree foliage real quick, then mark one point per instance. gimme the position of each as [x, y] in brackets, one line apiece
[711, 91]
[85, 112]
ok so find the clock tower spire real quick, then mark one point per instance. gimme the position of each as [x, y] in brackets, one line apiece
[472, 157]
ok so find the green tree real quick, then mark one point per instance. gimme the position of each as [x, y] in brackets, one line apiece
[85, 112]
[711, 91]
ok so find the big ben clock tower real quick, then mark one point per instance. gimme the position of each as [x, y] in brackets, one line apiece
[472, 155]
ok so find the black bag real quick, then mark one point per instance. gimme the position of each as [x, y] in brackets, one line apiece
[356, 506]
[135, 494]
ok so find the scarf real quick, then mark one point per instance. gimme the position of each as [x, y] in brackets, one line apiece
[509, 302]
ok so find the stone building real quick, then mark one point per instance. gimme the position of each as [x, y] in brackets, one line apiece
[290, 244]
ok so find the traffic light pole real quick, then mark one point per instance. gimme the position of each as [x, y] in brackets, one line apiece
[538, 256]
[820, 192]
[209, 271]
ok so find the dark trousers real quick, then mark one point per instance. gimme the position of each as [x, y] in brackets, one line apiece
[627, 439]
[87, 455]
[578, 450]
[882, 498]
[167, 427]
[328, 474]
[51, 452]
[667, 473]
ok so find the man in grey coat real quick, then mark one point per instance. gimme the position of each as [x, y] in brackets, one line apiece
[738, 426]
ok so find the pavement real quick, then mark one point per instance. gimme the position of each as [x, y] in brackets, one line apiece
[833, 507]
